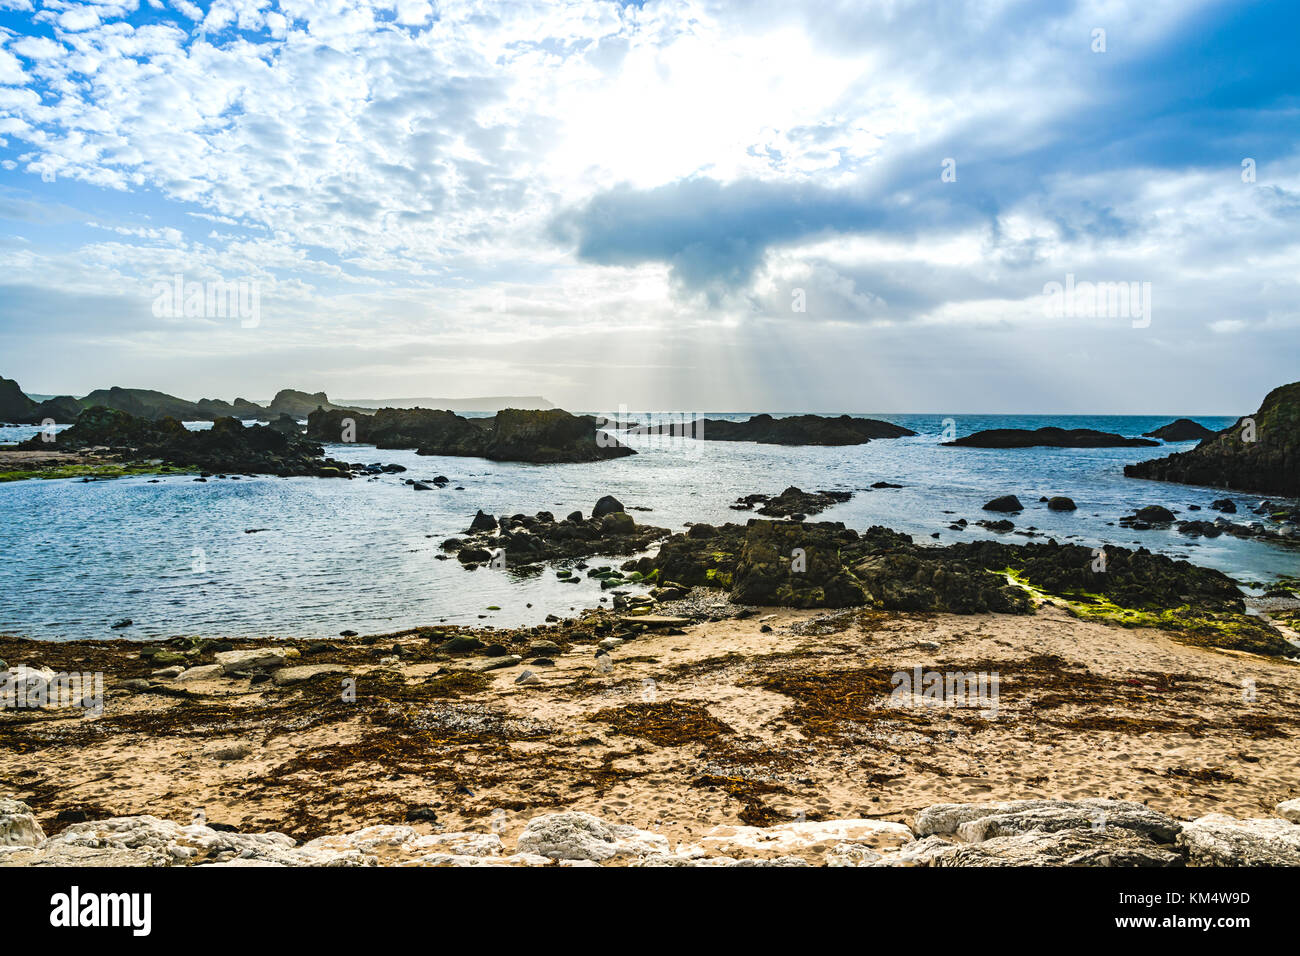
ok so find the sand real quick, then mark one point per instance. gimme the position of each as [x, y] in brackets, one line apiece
[725, 724]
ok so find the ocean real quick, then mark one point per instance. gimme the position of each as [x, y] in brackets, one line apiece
[310, 557]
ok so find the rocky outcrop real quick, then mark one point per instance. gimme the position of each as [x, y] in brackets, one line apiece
[581, 836]
[548, 436]
[1047, 438]
[1110, 833]
[17, 825]
[1260, 453]
[827, 565]
[529, 539]
[1184, 429]
[793, 502]
[16, 408]
[1220, 840]
[229, 446]
[802, 430]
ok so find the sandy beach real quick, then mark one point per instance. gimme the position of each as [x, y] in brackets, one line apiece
[770, 717]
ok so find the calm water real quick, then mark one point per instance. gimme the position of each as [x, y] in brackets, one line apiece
[174, 556]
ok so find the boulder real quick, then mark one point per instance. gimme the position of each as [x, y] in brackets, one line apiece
[254, 659]
[802, 837]
[1061, 503]
[580, 836]
[1007, 503]
[202, 672]
[18, 827]
[1221, 840]
[606, 505]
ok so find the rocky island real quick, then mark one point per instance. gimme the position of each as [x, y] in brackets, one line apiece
[1049, 437]
[1184, 429]
[167, 445]
[545, 436]
[802, 430]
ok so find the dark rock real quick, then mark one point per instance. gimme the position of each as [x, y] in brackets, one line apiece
[1047, 437]
[541, 436]
[793, 501]
[227, 447]
[1061, 503]
[801, 430]
[483, 522]
[421, 815]
[1184, 429]
[1226, 505]
[124, 622]
[1270, 464]
[1007, 503]
[606, 505]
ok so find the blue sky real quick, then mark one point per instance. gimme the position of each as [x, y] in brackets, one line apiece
[622, 204]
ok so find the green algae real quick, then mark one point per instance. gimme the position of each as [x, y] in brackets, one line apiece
[1204, 628]
[91, 471]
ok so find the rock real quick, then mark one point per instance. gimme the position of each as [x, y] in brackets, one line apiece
[1220, 840]
[543, 649]
[1047, 437]
[229, 446]
[1226, 505]
[1151, 514]
[1184, 429]
[287, 676]
[254, 659]
[225, 752]
[202, 672]
[1061, 503]
[947, 819]
[974, 823]
[124, 622]
[605, 506]
[791, 838]
[482, 522]
[528, 677]
[1108, 848]
[655, 621]
[1007, 503]
[167, 673]
[619, 522]
[540, 436]
[799, 430]
[793, 502]
[1260, 453]
[495, 663]
[1289, 810]
[18, 827]
[420, 486]
[580, 836]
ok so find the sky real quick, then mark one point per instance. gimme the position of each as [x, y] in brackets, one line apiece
[747, 205]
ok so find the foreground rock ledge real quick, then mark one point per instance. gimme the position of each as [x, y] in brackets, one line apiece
[1009, 833]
